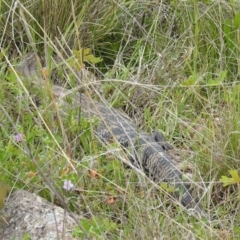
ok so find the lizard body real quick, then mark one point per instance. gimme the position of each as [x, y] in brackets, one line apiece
[146, 152]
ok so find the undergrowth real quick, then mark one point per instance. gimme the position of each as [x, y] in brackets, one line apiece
[167, 65]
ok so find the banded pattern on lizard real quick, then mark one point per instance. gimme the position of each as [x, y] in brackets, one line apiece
[146, 152]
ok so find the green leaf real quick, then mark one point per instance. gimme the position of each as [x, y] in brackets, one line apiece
[214, 82]
[26, 236]
[168, 188]
[192, 80]
[72, 62]
[237, 21]
[89, 57]
[227, 27]
[226, 181]
[218, 81]
[223, 75]
[235, 176]
[83, 55]
[234, 179]
[233, 95]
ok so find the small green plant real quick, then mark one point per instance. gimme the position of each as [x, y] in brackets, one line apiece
[26, 236]
[234, 179]
[97, 228]
[81, 56]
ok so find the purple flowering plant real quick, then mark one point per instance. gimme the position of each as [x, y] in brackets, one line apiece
[68, 185]
[18, 137]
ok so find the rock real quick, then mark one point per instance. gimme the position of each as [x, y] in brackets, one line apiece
[28, 216]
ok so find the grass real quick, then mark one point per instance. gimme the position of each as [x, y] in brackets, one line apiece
[170, 66]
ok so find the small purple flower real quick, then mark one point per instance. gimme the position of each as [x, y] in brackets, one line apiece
[68, 185]
[18, 137]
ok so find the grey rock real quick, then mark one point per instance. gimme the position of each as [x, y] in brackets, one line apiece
[26, 214]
